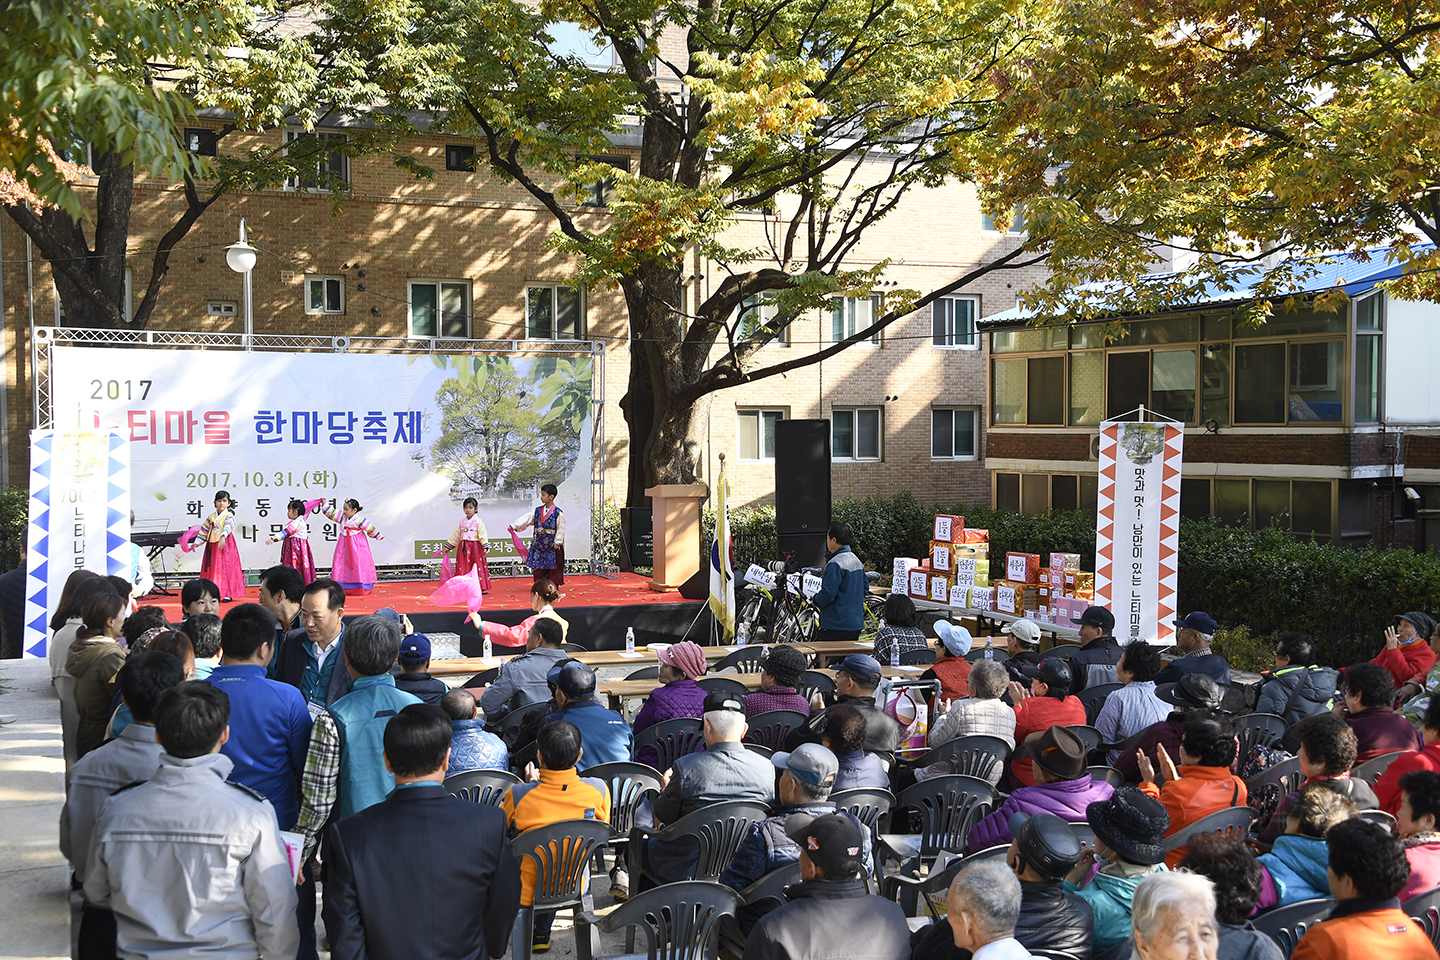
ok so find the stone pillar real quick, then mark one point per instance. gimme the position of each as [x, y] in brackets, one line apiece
[677, 533]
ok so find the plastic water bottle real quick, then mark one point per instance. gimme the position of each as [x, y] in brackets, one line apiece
[894, 647]
[989, 649]
[629, 639]
[489, 650]
[742, 635]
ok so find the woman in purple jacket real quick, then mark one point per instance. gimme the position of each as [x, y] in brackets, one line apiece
[680, 696]
[1062, 786]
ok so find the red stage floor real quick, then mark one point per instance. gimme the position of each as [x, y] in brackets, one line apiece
[506, 593]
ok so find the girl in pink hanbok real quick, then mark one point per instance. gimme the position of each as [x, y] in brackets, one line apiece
[353, 567]
[468, 542]
[295, 553]
[221, 562]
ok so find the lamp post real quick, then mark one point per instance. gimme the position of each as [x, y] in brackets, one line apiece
[241, 258]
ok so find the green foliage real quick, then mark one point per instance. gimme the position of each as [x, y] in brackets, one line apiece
[14, 515]
[1246, 650]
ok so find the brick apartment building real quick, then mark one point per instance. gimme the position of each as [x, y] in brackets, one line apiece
[1327, 424]
[464, 256]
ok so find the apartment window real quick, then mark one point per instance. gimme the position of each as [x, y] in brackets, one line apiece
[324, 295]
[459, 156]
[554, 312]
[850, 315]
[1087, 388]
[953, 434]
[200, 141]
[331, 164]
[855, 433]
[755, 431]
[1369, 357]
[440, 308]
[752, 314]
[1029, 391]
[953, 322]
[1303, 508]
[1017, 223]
[601, 192]
[125, 305]
[1039, 494]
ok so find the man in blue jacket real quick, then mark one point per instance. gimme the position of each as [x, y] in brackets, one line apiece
[604, 735]
[841, 597]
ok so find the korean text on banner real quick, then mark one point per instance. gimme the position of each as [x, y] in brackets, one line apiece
[79, 518]
[1137, 534]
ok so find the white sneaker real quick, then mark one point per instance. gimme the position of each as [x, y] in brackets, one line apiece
[619, 884]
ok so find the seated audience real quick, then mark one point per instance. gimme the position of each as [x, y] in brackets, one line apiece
[1134, 707]
[212, 877]
[1367, 870]
[203, 629]
[1063, 787]
[468, 874]
[1197, 697]
[555, 792]
[605, 734]
[1407, 656]
[780, 672]
[1053, 922]
[1129, 832]
[471, 748]
[1023, 646]
[805, 787]
[1202, 784]
[1387, 788]
[414, 677]
[856, 680]
[1047, 703]
[1415, 696]
[724, 770]
[1230, 866]
[1094, 663]
[1296, 864]
[94, 662]
[830, 912]
[522, 679]
[1368, 708]
[1299, 687]
[901, 628]
[1174, 916]
[845, 736]
[1193, 636]
[1326, 754]
[983, 713]
[678, 696]
[984, 906]
[199, 596]
[951, 669]
[1417, 818]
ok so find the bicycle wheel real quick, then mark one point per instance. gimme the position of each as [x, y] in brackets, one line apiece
[752, 611]
[807, 622]
[874, 608]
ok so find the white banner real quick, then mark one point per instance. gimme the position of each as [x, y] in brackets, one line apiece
[1137, 536]
[79, 518]
[408, 436]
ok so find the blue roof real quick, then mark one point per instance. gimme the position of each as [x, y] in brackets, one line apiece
[1330, 271]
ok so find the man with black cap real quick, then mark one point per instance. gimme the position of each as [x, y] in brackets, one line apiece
[1098, 659]
[1195, 632]
[1047, 703]
[724, 770]
[830, 915]
[855, 682]
[1129, 845]
[1197, 697]
[1063, 787]
[1052, 922]
[605, 734]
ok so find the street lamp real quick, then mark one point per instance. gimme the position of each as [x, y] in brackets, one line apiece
[241, 258]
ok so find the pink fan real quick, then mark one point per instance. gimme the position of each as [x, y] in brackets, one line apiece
[519, 545]
[464, 590]
[184, 542]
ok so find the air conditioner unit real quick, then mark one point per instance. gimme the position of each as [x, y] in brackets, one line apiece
[1095, 447]
[223, 308]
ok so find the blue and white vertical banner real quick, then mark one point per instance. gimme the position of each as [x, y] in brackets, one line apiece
[79, 518]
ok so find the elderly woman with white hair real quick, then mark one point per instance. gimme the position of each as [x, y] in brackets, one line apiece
[982, 713]
[1173, 918]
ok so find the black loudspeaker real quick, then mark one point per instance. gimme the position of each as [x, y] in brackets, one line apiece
[802, 487]
[698, 586]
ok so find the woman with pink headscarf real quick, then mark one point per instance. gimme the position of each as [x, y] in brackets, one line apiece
[681, 696]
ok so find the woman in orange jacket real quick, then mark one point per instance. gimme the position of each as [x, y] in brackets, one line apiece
[1202, 784]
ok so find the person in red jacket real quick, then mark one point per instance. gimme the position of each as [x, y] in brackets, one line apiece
[1419, 824]
[1202, 784]
[1407, 654]
[1367, 870]
[1387, 788]
[1046, 704]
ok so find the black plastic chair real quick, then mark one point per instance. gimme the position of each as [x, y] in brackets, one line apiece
[761, 749]
[977, 652]
[1286, 925]
[678, 919]
[813, 682]
[516, 717]
[644, 673]
[481, 786]
[1232, 821]
[1386, 820]
[947, 807]
[1268, 787]
[726, 685]
[717, 830]
[1103, 774]
[1063, 650]
[915, 658]
[672, 739]
[1083, 832]
[1088, 735]
[522, 756]
[1258, 730]
[915, 888]
[744, 660]
[770, 729]
[574, 648]
[630, 784]
[1371, 770]
[769, 888]
[1093, 698]
[978, 756]
[561, 853]
[483, 679]
[1424, 909]
[870, 806]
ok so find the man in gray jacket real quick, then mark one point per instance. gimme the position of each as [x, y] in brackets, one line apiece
[190, 863]
[522, 678]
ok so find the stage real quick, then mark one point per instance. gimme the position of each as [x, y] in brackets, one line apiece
[598, 609]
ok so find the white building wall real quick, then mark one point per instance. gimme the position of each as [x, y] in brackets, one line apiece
[1412, 350]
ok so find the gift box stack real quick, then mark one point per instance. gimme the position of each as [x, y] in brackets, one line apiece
[1071, 589]
[1019, 593]
[957, 569]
